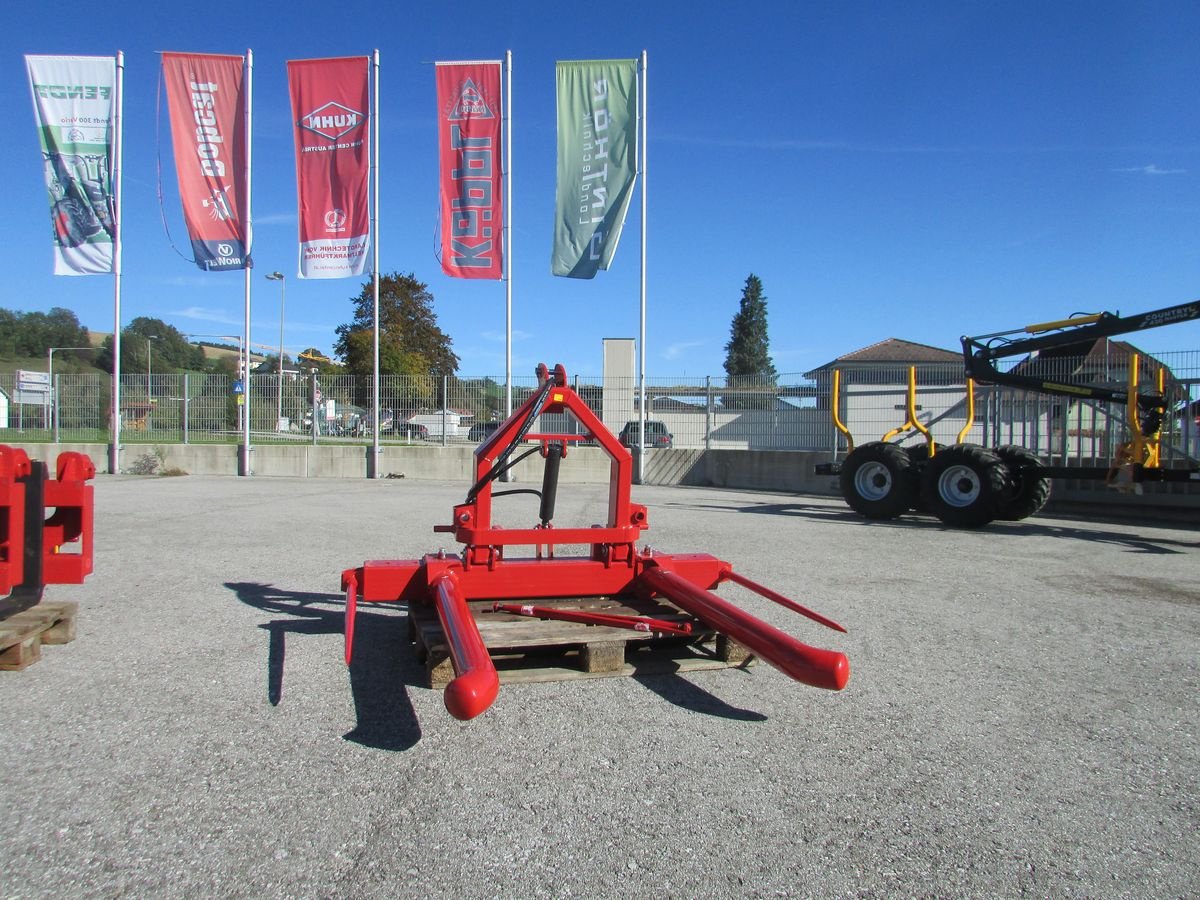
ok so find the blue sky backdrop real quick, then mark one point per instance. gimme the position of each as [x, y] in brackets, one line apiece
[915, 170]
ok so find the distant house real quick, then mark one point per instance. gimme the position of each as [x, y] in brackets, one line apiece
[876, 361]
[1095, 362]
[874, 388]
[271, 367]
[1087, 426]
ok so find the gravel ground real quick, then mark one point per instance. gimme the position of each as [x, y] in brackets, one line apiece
[1021, 718]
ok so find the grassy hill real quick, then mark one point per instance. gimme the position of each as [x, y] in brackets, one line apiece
[223, 351]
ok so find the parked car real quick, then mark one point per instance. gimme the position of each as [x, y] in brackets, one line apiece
[657, 435]
[412, 431]
[481, 431]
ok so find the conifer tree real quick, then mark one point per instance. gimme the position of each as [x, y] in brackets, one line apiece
[747, 350]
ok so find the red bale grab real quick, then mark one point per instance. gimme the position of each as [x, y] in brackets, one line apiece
[614, 568]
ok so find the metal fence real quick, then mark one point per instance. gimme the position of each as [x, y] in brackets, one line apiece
[792, 412]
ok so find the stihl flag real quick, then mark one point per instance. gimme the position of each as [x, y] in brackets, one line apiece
[331, 111]
[469, 120]
[73, 102]
[207, 104]
[597, 162]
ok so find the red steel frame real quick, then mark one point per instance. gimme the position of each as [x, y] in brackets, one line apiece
[614, 567]
[37, 549]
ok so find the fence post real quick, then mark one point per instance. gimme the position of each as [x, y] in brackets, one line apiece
[54, 404]
[708, 412]
[445, 403]
[185, 407]
[313, 393]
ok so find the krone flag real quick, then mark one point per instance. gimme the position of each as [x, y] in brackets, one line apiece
[73, 102]
[330, 112]
[208, 130]
[597, 162]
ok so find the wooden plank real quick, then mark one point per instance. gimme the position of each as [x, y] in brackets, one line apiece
[22, 634]
[603, 656]
[21, 654]
[526, 650]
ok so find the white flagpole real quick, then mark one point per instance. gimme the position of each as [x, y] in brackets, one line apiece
[507, 257]
[642, 323]
[245, 455]
[373, 469]
[114, 419]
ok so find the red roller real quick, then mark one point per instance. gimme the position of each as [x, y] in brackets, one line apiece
[476, 683]
[809, 665]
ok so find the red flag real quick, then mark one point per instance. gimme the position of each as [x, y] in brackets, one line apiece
[469, 117]
[208, 129]
[331, 108]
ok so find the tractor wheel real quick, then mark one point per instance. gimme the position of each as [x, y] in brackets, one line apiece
[1029, 491]
[965, 485]
[876, 480]
[74, 223]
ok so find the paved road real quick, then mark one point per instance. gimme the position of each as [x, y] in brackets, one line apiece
[1022, 716]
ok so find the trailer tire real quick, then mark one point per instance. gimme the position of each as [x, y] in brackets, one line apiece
[965, 485]
[876, 481]
[1028, 492]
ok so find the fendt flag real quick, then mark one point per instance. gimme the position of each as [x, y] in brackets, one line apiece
[597, 162]
[73, 101]
[207, 103]
[469, 120]
[331, 112]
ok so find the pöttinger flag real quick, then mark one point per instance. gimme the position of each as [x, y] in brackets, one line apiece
[470, 114]
[597, 162]
[207, 104]
[331, 112]
[73, 101]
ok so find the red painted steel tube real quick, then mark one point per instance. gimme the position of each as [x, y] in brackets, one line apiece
[776, 597]
[646, 624]
[809, 665]
[351, 585]
[476, 683]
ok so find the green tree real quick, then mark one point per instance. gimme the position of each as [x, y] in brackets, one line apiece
[32, 334]
[410, 341]
[747, 350]
[152, 343]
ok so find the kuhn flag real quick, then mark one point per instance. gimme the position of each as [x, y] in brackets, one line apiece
[73, 102]
[331, 111]
[469, 119]
[597, 162]
[208, 130]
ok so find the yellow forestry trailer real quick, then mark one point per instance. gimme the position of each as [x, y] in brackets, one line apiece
[967, 485]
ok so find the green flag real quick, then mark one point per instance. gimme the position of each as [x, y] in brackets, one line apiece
[597, 162]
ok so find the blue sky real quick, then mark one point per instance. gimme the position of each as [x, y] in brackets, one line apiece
[912, 170]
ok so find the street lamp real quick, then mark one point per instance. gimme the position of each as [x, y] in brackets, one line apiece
[50, 360]
[278, 276]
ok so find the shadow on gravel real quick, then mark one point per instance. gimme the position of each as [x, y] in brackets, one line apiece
[686, 695]
[1129, 538]
[380, 675]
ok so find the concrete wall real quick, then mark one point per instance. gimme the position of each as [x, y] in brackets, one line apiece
[768, 470]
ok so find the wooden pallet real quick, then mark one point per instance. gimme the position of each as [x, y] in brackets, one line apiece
[22, 634]
[527, 650]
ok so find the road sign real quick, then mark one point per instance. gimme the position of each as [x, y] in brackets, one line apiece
[33, 382]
